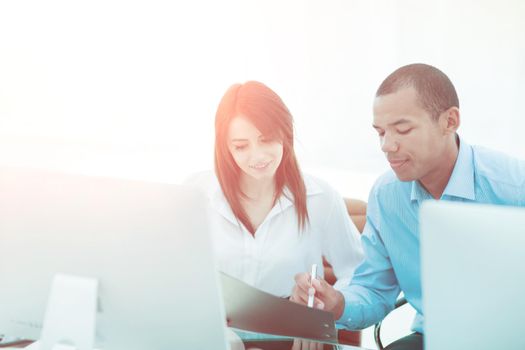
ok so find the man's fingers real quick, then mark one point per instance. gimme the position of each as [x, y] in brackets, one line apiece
[303, 298]
[304, 288]
[322, 287]
[319, 285]
[302, 280]
[302, 277]
[299, 296]
[301, 285]
[319, 304]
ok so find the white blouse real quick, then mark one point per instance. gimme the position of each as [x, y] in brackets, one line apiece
[271, 258]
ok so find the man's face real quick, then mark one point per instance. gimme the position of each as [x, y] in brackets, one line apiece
[413, 142]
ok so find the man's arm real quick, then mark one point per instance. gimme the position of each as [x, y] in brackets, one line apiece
[372, 293]
[374, 288]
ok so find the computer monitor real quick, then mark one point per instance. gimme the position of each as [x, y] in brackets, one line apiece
[473, 270]
[147, 244]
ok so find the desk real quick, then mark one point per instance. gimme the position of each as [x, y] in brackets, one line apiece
[297, 345]
[257, 341]
[261, 341]
[17, 344]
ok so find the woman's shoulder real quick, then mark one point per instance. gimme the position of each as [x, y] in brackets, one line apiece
[315, 185]
[319, 190]
[323, 200]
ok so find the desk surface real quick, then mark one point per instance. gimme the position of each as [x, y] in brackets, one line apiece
[257, 341]
[296, 344]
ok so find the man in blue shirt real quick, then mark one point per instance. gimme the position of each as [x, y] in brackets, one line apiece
[416, 115]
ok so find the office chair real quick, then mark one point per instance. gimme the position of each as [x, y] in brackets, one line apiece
[377, 327]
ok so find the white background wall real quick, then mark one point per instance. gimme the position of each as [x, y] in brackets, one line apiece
[130, 88]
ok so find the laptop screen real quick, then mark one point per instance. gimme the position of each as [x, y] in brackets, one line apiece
[473, 275]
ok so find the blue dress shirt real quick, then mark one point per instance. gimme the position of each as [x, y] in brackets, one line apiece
[391, 235]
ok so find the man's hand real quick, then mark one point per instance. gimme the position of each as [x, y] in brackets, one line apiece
[326, 297]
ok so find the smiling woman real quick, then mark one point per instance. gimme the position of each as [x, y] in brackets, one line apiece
[254, 155]
[271, 221]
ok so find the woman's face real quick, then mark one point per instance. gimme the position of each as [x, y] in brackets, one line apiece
[257, 155]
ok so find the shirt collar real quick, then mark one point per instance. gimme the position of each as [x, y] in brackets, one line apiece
[222, 206]
[418, 192]
[461, 182]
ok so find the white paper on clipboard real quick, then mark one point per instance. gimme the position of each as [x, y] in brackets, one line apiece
[253, 310]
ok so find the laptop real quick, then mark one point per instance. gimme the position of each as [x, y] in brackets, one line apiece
[147, 245]
[473, 276]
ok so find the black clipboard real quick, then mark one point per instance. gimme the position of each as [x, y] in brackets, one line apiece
[253, 310]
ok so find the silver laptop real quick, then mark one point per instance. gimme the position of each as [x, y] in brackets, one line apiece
[473, 276]
[147, 245]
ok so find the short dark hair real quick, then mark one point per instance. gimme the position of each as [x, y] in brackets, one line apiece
[435, 90]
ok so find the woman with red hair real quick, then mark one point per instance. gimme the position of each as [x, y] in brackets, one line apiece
[269, 221]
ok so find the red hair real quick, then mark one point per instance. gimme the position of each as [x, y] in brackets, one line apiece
[264, 109]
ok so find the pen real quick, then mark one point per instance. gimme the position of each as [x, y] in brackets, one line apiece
[313, 275]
